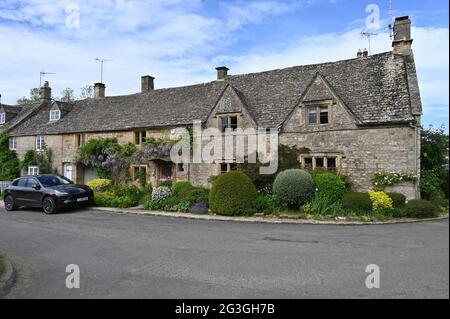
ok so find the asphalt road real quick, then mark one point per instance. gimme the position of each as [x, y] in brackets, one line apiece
[129, 256]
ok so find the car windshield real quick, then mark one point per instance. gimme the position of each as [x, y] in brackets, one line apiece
[49, 181]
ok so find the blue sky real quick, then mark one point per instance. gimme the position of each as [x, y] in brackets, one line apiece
[181, 42]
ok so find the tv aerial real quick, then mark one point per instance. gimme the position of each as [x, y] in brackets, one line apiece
[101, 66]
[368, 35]
[41, 75]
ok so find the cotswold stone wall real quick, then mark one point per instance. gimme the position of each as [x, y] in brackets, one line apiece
[364, 151]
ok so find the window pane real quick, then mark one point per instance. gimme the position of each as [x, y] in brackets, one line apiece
[331, 162]
[323, 115]
[143, 136]
[137, 139]
[167, 170]
[22, 182]
[223, 123]
[233, 167]
[319, 162]
[31, 182]
[180, 167]
[233, 122]
[308, 162]
[223, 168]
[312, 116]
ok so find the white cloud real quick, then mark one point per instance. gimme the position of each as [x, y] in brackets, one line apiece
[178, 43]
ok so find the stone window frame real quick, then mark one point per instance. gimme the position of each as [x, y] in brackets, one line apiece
[139, 136]
[140, 167]
[318, 105]
[80, 139]
[229, 167]
[12, 143]
[2, 118]
[228, 117]
[326, 155]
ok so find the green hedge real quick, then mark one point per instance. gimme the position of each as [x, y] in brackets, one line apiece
[182, 188]
[330, 186]
[357, 202]
[293, 187]
[398, 199]
[232, 194]
[419, 208]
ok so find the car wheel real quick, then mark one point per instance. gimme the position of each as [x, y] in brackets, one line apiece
[9, 203]
[49, 205]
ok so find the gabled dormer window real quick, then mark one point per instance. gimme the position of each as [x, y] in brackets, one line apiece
[226, 122]
[2, 118]
[55, 115]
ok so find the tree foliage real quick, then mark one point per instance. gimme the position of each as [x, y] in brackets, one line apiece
[32, 98]
[9, 163]
[67, 96]
[434, 155]
[109, 158]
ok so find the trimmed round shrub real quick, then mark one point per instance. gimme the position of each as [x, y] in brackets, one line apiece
[99, 184]
[357, 202]
[330, 186]
[419, 208]
[160, 193]
[293, 187]
[398, 199]
[232, 194]
[181, 188]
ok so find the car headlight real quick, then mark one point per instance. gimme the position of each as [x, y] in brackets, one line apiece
[59, 193]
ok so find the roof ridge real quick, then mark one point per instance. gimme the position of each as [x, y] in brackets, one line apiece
[313, 65]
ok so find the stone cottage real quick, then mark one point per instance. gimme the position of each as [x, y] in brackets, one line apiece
[358, 116]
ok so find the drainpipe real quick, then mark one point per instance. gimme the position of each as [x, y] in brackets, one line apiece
[416, 168]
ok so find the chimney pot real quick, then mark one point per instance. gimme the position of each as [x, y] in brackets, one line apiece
[365, 53]
[402, 36]
[222, 72]
[99, 90]
[359, 54]
[45, 92]
[147, 83]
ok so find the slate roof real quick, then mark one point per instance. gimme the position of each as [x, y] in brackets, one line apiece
[376, 90]
[11, 108]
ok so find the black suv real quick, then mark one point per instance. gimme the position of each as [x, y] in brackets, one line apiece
[49, 192]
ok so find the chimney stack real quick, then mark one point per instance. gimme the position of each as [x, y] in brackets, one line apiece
[222, 72]
[402, 36]
[147, 83]
[359, 54]
[99, 90]
[45, 92]
[365, 53]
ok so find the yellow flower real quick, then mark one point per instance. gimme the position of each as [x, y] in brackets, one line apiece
[380, 200]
